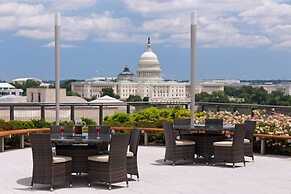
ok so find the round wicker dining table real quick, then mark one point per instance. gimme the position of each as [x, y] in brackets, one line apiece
[79, 147]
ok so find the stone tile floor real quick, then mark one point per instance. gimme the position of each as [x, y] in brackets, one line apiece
[267, 175]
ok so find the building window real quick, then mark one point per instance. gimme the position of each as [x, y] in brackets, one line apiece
[39, 97]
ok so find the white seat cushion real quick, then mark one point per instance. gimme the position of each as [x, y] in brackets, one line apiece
[99, 158]
[61, 159]
[129, 154]
[184, 142]
[223, 143]
[247, 141]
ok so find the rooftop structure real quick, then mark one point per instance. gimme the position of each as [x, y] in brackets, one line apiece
[47, 95]
[6, 86]
[12, 99]
[126, 75]
[8, 89]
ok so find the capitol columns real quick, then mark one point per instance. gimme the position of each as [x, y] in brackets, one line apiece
[193, 65]
[57, 64]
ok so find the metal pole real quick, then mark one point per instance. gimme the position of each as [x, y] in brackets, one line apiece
[11, 113]
[100, 115]
[57, 65]
[193, 64]
[73, 113]
[42, 112]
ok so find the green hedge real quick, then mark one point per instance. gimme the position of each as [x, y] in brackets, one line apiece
[13, 141]
[14, 125]
[150, 117]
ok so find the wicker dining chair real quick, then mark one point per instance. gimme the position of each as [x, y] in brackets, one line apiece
[68, 130]
[55, 129]
[92, 133]
[132, 167]
[250, 127]
[48, 169]
[110, 168]
[214, 123]
[231, 151]
[177, 149]
[104, 131]
[182, 126]
[182, 123]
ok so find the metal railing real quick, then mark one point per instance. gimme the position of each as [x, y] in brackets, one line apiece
[97, 112]
[71, 111]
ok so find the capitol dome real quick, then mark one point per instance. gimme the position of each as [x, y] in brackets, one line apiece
[149, 68]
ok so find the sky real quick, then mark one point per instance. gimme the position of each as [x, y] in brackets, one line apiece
[249, 39]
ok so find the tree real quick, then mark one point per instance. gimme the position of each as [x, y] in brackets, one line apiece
[109, 92]
[146, 99]
[247, 94]
[67, 84]
[27, 84]
[134, 98]
[71, 93]
[213, 97]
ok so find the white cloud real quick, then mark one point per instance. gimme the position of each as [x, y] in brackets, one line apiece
[34, 34]
[160, 6]
[35, 22]
[71, 4]
[20, 9]
[52, 45]
[222, 23]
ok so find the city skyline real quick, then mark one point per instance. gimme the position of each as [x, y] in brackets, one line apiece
[237, 40]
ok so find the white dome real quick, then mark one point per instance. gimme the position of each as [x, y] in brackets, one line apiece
[149, 66]
[149, 55]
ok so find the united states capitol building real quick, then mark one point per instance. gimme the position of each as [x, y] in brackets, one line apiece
[147, 82]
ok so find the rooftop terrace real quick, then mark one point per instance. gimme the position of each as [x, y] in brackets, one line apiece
[267, 175]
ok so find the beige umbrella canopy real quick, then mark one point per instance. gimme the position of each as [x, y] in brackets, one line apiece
[107, 100]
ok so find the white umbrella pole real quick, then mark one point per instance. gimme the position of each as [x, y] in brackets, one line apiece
[193, 65]
[57, 65]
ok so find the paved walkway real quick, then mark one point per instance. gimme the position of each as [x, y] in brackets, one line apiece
[267, 175]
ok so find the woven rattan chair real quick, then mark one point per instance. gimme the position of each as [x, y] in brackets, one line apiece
[250, 127]
[47, 169]
[182, 126]
[231, 151]
[104, 131]
[92, 133]
[68, 130]
[214, 123]
[110, 168]
[177, 149]
[182, 123]
[55, 129]
[132, 167]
